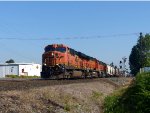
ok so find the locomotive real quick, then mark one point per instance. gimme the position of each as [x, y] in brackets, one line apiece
[61, 61]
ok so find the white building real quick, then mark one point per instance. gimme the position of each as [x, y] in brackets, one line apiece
[25, 69]
[145, 69]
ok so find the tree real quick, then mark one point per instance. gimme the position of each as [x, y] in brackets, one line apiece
[134, 60]
[140, 54]
[145, 51]
[10, 61]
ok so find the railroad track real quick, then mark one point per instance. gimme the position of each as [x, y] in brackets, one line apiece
[26, 84]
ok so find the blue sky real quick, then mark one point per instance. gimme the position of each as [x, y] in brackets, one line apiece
[71, 19]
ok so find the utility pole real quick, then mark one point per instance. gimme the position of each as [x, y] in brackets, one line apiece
[141, 49]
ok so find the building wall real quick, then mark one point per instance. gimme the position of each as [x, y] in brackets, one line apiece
[8, 70]
[145, 69]
[11, 70]
[28, 69]
[2, 71]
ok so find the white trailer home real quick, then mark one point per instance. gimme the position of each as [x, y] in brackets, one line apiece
[25, 69]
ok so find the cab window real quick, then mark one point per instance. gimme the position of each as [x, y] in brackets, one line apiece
[61, 49]
[49, 48]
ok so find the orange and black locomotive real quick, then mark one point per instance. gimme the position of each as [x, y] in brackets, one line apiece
[60, 61]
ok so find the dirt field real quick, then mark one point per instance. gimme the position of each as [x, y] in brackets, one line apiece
[56, 96]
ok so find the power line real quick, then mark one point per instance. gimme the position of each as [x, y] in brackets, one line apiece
[10, 49]
[70, 38]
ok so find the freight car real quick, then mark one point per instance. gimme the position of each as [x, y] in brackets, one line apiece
[112, 71]
[60, 61]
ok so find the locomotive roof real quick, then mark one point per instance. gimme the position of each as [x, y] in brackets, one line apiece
[74, 52]
[56, 45]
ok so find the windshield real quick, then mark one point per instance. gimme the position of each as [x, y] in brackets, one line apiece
[60, 49]
[49, 48]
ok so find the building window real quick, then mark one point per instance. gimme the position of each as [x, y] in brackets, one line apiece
[22, 70]
[12, 69]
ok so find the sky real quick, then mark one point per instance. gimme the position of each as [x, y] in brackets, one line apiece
[57, 21]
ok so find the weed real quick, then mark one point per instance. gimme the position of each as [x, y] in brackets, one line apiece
[96, 95]
[67, 107]
[135, 99]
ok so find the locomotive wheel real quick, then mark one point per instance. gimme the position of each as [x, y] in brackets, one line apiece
[83, 75]
[91, 75]
[67, 74]
[99, 75]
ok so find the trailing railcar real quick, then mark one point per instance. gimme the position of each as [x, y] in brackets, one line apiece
[110, 71]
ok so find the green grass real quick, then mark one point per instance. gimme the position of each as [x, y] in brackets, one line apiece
[96, 95]
[16, 76]
[135, 99]
[67, 107]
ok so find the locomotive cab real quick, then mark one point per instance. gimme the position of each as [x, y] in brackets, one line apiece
[54, 54]
[53, 60]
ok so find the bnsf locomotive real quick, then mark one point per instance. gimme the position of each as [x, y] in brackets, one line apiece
[60, 61]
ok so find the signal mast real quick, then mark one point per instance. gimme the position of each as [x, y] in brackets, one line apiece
[123, 66]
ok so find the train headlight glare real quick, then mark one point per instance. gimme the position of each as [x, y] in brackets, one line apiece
[52, 54]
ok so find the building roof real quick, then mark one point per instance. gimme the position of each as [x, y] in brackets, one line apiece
[7, 64]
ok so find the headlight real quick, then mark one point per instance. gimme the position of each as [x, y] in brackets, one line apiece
[44, 64]
[52, 54]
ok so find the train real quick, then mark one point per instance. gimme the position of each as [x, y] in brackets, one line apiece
[61, 61]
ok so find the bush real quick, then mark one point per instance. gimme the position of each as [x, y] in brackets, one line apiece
[135, 99]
